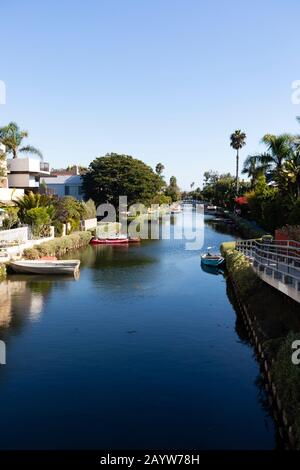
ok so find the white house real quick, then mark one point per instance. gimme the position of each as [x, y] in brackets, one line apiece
[7, 195]
[65, 185]
[25, 173]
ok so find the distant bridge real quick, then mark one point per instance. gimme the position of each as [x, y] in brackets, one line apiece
[191, 201]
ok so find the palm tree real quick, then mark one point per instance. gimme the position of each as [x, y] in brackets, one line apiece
[254, 168]
[31, 201]
[289, 174]
[237, 141]
[12, 137]
[279, 150]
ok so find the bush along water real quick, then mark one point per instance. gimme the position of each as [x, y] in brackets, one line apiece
[2, 272]
[59, 246]
[247, 228]
[273, 323]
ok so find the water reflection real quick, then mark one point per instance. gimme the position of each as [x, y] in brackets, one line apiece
[145, 351]
[23, 297]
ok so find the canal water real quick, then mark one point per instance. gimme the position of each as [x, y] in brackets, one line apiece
[144, 350]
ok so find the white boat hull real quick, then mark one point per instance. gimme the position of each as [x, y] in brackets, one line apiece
[45, 267]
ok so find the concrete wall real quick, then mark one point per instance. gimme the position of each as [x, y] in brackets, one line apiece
[16, 234]
[23, 180]
[24, 165]
[286, 289]
[89, 224]
[10, 194]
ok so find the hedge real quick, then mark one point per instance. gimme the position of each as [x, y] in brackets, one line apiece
[247, 228]
[59, 246]
[227, 246]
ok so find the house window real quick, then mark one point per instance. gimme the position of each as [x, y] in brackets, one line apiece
[67, 190]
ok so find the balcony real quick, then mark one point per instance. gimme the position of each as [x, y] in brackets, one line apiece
[27, 165]
[44, 167]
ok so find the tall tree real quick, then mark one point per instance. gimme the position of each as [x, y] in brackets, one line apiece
[253, 169]
[159, 169]
[279, 149]
[237, 141]
[12, 137]
[173, 190]
[117, 175]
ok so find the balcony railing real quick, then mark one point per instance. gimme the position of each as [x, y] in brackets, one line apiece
[44, 166]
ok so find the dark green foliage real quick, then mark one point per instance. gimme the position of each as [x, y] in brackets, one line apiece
[120, 175]
[172, 190]
[68, 211]
[287, 378]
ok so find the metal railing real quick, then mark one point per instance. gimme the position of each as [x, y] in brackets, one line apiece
[44, 166]
[277, 259]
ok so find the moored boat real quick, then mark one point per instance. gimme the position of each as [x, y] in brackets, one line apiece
[209, 259]
[109, 241]
[45, 266]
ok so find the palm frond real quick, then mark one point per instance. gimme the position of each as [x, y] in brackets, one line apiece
[31, 149]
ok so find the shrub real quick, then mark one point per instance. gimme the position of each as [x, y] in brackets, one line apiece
[89, 210]
[59, 246]
[31, 253]
[11, 219]
[2, 272]
[68, 211]
[294, 216]
[242, 273]
[287, 379]
[227, 246]
[39, 219]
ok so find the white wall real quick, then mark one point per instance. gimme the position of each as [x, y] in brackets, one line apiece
[10, 194]
[15, 234]
[89, 224]
[25, 165]
[22, 180]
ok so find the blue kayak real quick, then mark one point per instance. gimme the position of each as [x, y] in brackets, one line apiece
[212, 260]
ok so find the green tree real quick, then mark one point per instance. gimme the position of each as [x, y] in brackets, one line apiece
[3, 169]
[159, 169]
[12, 137]
[237, 141]
[279, 150]
[89, 210]
[173, 190]
[11, 219]
[117, 175]
[31, 201]
[253, 169]
[68, 211]
[39, 219]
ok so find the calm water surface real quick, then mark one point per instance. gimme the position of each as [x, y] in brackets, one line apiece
[145, 350]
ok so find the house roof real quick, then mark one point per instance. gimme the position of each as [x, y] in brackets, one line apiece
[63, 179]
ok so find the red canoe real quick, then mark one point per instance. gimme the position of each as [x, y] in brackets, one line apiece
[108, 241]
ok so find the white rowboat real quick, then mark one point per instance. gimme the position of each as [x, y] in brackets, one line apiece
[46, 267]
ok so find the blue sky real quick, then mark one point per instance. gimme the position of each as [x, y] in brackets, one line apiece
[163, 80]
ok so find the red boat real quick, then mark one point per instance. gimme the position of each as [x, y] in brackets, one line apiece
[108, 241]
